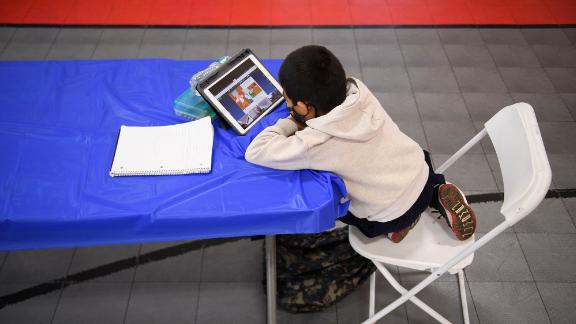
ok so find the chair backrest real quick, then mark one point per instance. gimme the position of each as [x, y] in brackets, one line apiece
[523, 161]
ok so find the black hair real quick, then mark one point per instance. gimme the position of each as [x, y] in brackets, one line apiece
[313, 75]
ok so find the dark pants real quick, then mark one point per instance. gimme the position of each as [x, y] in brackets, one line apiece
[428, 198]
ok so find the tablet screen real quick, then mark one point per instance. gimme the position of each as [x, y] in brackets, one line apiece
[246, 92]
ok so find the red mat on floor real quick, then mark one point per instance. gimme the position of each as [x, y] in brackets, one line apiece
[287, 12]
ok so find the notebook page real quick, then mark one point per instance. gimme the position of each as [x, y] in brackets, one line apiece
[175, 149]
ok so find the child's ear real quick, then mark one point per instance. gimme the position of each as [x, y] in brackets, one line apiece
[301, 108]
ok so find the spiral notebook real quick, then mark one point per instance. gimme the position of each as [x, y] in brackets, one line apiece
[164, 150]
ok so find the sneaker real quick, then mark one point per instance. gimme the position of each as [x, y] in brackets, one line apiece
[397, 237]
[455, 209]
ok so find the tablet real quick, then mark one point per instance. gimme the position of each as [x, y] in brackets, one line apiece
[242, 91]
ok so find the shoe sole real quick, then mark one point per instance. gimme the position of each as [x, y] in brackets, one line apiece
[397, 237]
[463, 218]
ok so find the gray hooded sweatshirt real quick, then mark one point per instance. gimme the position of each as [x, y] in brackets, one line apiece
[383, 169]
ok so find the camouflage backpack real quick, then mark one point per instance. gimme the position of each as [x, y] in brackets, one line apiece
[315, 271]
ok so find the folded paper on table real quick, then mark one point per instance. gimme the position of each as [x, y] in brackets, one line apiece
[164, 150]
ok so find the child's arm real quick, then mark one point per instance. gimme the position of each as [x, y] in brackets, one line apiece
[279, 147]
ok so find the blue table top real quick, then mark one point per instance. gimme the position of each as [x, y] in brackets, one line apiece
[59, 122]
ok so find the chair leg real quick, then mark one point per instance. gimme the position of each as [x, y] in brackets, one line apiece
[461, 283]
[403, 291]
[372, 294]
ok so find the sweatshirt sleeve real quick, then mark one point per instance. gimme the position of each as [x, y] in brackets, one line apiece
[279, 147]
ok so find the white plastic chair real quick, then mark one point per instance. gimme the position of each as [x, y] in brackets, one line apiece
[431, 246]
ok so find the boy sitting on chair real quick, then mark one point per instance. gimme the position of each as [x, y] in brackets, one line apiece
[336, 124]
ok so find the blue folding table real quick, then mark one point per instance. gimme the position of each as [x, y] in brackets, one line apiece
[59, 123]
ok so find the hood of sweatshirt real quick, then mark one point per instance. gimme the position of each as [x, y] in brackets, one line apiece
[359, 118]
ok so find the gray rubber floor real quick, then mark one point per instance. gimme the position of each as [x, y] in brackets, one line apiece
[439, 85]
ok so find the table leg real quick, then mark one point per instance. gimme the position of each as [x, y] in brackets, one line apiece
[271, 278]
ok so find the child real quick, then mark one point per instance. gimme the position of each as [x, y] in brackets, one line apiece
[337, 124]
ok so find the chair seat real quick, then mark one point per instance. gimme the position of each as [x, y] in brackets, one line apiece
[429, 245]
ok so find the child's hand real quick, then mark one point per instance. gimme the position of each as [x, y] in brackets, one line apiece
[300, 125]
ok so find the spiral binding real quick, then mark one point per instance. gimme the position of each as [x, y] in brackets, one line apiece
[162, 172]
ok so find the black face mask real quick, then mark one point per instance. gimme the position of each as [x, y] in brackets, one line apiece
[299, 117]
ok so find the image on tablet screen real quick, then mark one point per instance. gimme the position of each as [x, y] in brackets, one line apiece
[245, 93]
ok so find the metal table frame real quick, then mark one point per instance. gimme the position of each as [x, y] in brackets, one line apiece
[271, 278]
